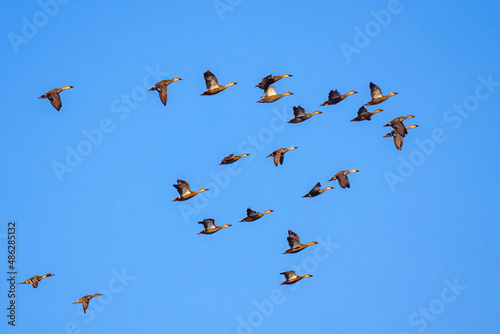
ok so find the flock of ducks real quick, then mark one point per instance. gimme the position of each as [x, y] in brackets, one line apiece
[399, 131]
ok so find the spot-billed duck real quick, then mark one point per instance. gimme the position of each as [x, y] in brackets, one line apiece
[210, 227]
[254, 215]
[185, 192]
[301, 115]
[161, 88]
[35, 279]
[295, 245]
[271, 96]
[270, 79]
[342, 178]
[213, 85]
[377, 96]
[365, 115]
[291, 278]
[54, 98]
[335, 97]
[232, 158]
[316, 190]
[398, 126]
[85, 301]
[279, 154]
[398, 140]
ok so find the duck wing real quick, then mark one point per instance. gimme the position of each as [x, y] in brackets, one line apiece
[289, 274]
[208, 223]
[210, 80]
[228, 159]
[270, 91]
[55, 100]
[334, 96]
[343, 180]
[182, 187]
[293, 239]
[266, 82]
[299, 112]
[375, 91]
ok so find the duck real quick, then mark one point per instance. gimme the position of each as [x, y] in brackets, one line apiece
[213, 85]
[342, 177]
[365, 115]
[294, 242]
[398, 126]
[270, 79]
[316, 190]
[232, 158]
[210, 227]
[398, 140]
[35, 279]
[291, 277]
[161, 88]
[254, 215]
[185, 192]
[301, 115]
[53, 96]
[271, 96]
[377, 96]
[279, 154]
[335, 97]
[85, 301]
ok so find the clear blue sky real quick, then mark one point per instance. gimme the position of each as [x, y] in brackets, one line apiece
[412, 224]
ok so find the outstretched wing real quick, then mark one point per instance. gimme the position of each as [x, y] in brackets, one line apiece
[343, 180]
[208, 223]
[293, 239]
[270, 91]
[376, 92]
[264, 84]
[182, 187]
[85, 304]
[299, 111]
[228, 159]
[398, 141]
[55, 100]
[251, 213]
[163, 94]
[334, 95]
[34, 281]
[289, 274]
[210, 80]
[363, 112]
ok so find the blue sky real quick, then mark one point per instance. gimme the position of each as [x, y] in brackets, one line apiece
[411, 247]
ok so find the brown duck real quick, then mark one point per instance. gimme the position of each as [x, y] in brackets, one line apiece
[254, 215]
[210, 227]
[365, 115]
[232, 158]
[295, 245]
[54, 98]
[270, 79]
[271, 96]
[335, 97]
[35, 279]
[398, 126]
[185, 192]
[377, 96]
[342, 178]
[85, 301]
[213, 85]
[398, 140]
[291, 278]
[316, 190]
[161, 88]
[279, 154]
[301, 115]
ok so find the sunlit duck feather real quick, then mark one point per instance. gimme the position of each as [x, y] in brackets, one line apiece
[301, 115]
[213, 85]
[54, 98]
[279, 155]
[335, 97]
[254, 215]
[271, 96]
[85, 301]
[291, 278]
[185, 192]
[342, 177]
[35, 279]
[365, 115]
[398, 126]
[270, 79]
[161, 88]
[232, 158]
[210, 227]
[316, 190]
[377, 96]
[398, 140]
[294, 242]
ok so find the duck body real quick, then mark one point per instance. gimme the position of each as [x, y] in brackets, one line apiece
[185, 192]
[291, 277]
[398, 139]
[316, 190]
[85, 301]
[212, 84]
[341, 177]
[161, 88]
[270, 95]
[279, 155]
[210, 227]
[54, 98]
[301, 115]
[270, 79]
[232, 158]
[335, 97]
[35, 279]
[254, 215]
[398, 126]
[295, 245]
[377, 96]
[365, 115]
